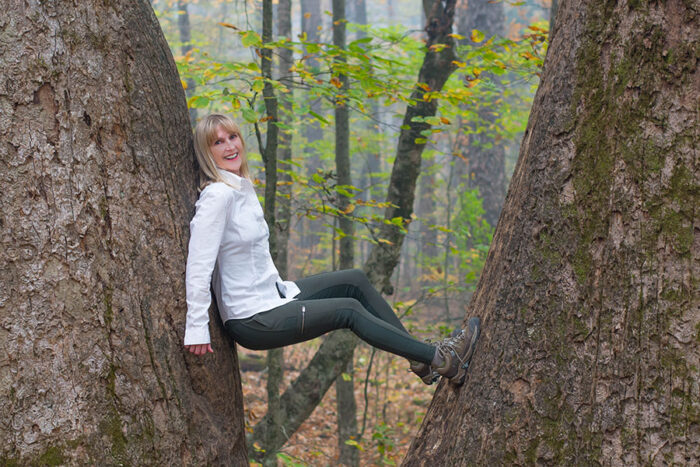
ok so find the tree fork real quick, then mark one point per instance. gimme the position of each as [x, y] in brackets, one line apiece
[308, 389]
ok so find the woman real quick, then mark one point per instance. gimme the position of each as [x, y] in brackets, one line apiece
[229, 249]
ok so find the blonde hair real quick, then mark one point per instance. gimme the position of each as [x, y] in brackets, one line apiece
[204, 137]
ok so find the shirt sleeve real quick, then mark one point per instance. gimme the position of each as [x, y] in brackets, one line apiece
[206, 233]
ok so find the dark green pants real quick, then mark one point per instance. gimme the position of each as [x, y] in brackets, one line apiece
[329, 301]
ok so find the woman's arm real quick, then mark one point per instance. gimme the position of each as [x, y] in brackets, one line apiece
[206, 233]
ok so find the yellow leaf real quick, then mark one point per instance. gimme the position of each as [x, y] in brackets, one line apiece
[336, 82]
[459, 37]
[383, 240]
[349, 209]
[445, 120]
[307, 15]
[477, 36]
[184, 84]
[458, 64]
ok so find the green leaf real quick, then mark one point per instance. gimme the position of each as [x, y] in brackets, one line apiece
[433, 120]
[312, 48]
[346, 377]
[198, 102]
[420, 140]
[317, 116]
[318, 179]
[250, 116]
[251, 39]
[258, 85]
[344, 192]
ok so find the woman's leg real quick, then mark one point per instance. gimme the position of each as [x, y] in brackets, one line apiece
[301, 320]
[349, 283]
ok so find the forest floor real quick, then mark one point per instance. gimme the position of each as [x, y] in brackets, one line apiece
[392, 405]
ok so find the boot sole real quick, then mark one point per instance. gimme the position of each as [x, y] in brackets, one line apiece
[474, 325]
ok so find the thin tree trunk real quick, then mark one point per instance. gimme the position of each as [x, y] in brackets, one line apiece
[275, 357]
[344, 385]
[486, 170]
[589, 351]
[274, 432]
[98, 183]
[311, 22]
[307, 390]
[427, 236]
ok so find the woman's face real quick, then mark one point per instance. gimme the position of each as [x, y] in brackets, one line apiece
[226, 150]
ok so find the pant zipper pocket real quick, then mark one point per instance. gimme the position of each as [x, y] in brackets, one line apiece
[303, 315]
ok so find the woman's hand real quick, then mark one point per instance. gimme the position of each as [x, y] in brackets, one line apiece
[200, 349]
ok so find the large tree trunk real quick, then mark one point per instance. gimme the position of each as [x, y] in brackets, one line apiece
[98, 184]
[590, 348]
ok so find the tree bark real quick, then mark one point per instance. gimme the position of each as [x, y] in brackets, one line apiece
[344, 385]
[589, 351]
[284, 209]
[98, 185]
[274, 433]
[269, 153]
[308, 389]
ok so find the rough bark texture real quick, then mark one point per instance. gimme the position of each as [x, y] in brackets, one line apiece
[590, 350]
[98, 185]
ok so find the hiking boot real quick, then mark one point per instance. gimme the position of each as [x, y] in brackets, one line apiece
[424, 371]
[457, 352]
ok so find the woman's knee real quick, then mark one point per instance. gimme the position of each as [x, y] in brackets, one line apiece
[349, 312]
[357, 277]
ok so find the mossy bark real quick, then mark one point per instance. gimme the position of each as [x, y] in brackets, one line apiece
[589, 352]
[98, 185]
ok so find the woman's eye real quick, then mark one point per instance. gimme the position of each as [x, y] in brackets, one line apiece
[233, 137]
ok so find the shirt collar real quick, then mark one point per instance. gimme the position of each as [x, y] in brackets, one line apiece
[231, 178]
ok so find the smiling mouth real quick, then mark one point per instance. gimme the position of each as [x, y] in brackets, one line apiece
[231, 157]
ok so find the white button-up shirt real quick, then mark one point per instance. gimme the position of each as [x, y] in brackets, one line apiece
[229, 249]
